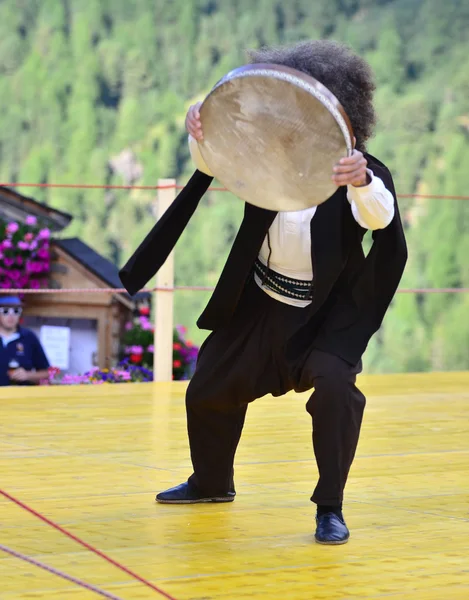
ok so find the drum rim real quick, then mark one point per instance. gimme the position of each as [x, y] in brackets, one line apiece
[307, 82]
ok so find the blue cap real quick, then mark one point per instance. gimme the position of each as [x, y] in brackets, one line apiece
[10, 301]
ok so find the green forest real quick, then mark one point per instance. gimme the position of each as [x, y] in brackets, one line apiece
[96, 91]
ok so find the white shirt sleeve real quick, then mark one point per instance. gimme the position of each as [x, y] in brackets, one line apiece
[372, 205]
[197, 157]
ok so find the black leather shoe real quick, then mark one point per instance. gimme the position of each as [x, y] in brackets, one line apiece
[331, 530]
[187, 493]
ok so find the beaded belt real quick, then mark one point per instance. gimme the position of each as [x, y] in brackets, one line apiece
[285, 286]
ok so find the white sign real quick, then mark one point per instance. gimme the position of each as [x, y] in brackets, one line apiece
[56, 344]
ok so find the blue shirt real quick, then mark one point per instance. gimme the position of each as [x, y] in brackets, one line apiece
[26, 349]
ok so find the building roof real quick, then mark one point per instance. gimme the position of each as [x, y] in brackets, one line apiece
[16, 207]
[103, 268]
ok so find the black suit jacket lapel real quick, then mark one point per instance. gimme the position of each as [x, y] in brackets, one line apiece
[327, 245]
[238, 266]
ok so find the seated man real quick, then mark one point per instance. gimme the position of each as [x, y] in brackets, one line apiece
[296, 304]
[22, 359]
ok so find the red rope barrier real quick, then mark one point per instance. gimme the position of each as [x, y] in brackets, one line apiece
[211, 189]
[194, 288]
[433, 196]
[180, 187]
[91, 186]
[105, 290]
[433, 291]
[49, 569]
[85, 545]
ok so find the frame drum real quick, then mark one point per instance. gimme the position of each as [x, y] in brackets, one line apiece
[272, 136]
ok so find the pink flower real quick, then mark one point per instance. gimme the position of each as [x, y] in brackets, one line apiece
[33, 245]
[19, 260]
[12, 228]
[6, 245]
[44, 234]
[9, 262]
[34, 267]
[14, 274]
[23, 246]
[34, 284]
[136, 350]
[43, 253]
[30, 220]
[73, 379]
[151, 348]
[128, 326]
[29, 236]
[124, 375]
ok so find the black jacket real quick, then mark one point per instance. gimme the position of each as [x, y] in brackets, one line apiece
[351, 292]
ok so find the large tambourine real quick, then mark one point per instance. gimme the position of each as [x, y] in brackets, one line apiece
[272, 136]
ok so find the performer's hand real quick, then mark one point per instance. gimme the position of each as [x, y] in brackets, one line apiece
[352, 171]
[193, 124]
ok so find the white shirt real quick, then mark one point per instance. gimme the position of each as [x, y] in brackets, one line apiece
[290, 234]
[11, 337]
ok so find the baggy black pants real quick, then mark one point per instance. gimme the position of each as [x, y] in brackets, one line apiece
[245, 360]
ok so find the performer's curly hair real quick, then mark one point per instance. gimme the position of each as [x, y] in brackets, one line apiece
[345, 74]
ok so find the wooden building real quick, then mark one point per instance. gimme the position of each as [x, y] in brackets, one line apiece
[16, 207]
[95, 321]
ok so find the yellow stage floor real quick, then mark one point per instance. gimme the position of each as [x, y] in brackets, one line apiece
[92, 458]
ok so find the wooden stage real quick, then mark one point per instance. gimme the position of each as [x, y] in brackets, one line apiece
[92, 459]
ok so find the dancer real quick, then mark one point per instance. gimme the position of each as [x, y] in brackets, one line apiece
[296, 304]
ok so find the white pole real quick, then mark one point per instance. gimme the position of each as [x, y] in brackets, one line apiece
[163, 302]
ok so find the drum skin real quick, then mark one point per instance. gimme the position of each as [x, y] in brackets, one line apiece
[272, 136]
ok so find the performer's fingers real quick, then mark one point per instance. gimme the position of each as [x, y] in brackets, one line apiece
[198, 134]
[194, 127]
[193, 119]
[194, 113]
[349, 168]
[348, 160]
[351, 173]
[349, 178]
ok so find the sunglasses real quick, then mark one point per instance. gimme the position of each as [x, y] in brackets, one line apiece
[10, 311]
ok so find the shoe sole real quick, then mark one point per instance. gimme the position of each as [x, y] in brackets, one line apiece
[199, 501]
[334, 543]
